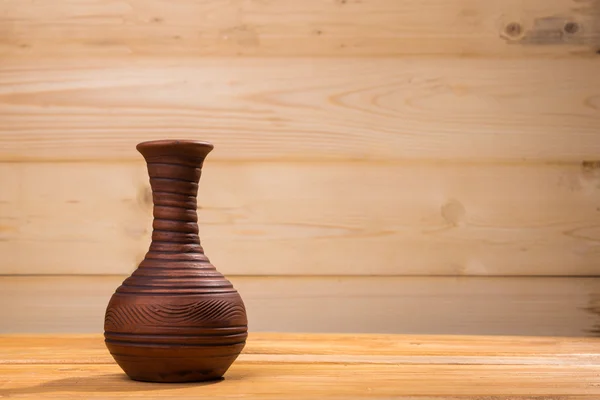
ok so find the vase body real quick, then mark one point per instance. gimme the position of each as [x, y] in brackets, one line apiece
[175, 318]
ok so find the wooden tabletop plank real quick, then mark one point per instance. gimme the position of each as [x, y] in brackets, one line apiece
[326, 366]
[265, 380]
[349, 348]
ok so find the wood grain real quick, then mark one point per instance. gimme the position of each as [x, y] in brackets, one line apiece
[301, 380]
[130, 28]
[329, 347]
[408, 305]
[271, 368]
[447, 109]
[312, 218]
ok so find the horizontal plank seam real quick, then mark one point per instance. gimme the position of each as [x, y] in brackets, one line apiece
[383, 360]
[291, 160]
[311, 276]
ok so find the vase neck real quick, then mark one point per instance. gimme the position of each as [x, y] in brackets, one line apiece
[174, 183]
[175, 262]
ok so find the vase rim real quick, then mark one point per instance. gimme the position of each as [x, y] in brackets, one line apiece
[174, 142]
[174, 147]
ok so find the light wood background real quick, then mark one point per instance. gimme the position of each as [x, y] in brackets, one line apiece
[426, 166]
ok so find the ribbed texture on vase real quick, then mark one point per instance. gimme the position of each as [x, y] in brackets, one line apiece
[175, 318]
[175, 262]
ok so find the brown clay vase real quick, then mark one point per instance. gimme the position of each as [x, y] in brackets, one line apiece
[176, 318]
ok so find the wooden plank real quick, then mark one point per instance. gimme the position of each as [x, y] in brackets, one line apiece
[409, 305]
[439, 109]
[350, 366]
[130, 28]
[312, 218]
[350, 348]
[268, 380]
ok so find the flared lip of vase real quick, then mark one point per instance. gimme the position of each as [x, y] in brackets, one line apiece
[174, 147]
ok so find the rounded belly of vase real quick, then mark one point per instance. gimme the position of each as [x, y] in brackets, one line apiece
[179, 338]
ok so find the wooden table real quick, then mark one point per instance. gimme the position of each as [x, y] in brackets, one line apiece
[311, 366]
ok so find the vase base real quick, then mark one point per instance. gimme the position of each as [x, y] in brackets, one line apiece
[175, 365]
[176, 377]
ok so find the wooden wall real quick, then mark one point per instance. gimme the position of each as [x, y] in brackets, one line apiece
[422, 166]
